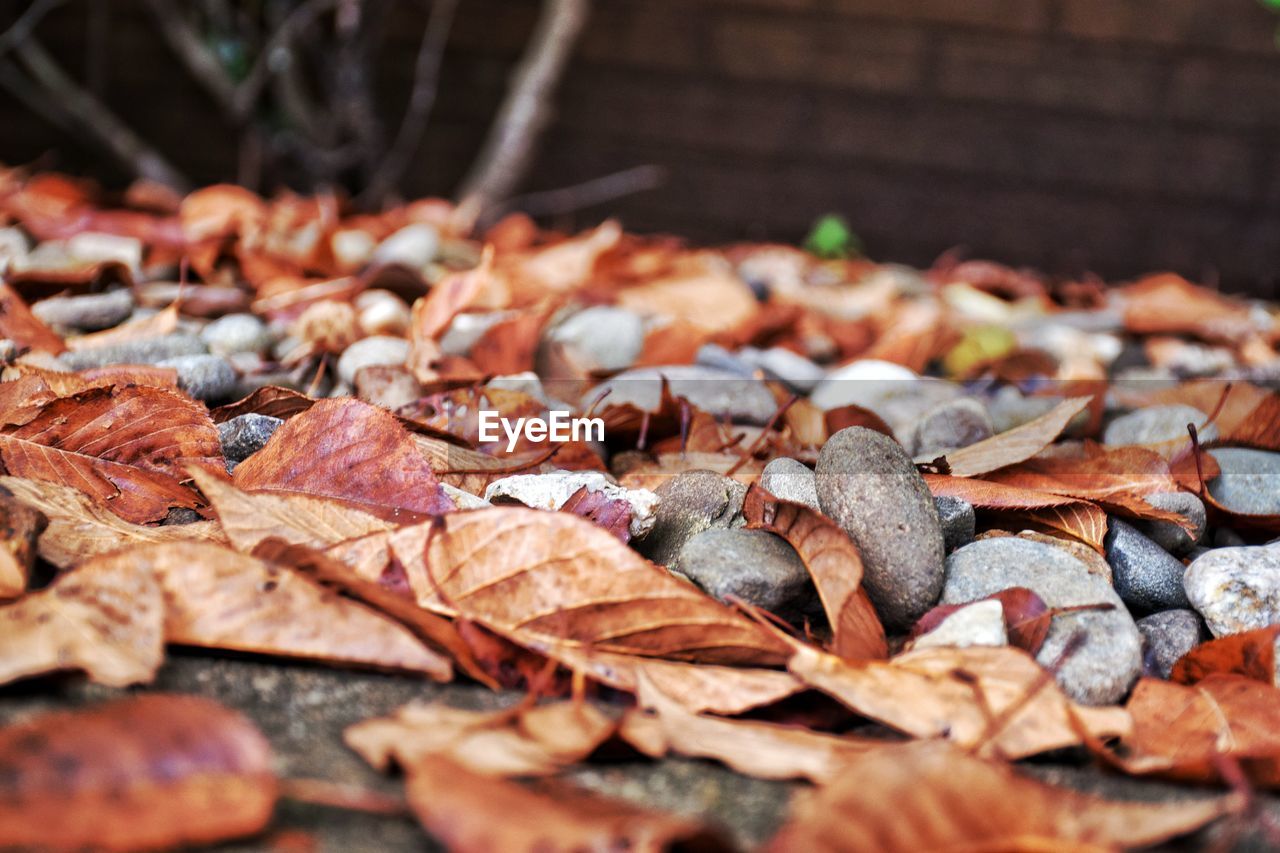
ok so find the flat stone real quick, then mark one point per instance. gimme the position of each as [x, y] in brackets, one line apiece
[237, 333]
[1236, 589]
[1158, 424]
[550, 491]
[978, 624]
[782, 365]
[367, 352]
[466, 329]
[1168, 636]
[958, 520]
[148, 351]
[894, 393]
[1108, 660]
[791, 480]
[88, 312]
[602, 337]
[868, 485]
[1168, 535]
[753, 565]
[1146, 576]
[951, 425]
[244, 435]
[1010, 408]
[381, 312]
[718, 358]
[689, 503]
[413, 246]
[203, 376]
[1249, 482]
[716, 392]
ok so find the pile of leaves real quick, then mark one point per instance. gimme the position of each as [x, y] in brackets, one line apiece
[342, 540]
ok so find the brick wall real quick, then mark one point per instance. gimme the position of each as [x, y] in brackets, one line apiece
[1116, 135]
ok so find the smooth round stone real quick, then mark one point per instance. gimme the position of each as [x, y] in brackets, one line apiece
[1236, 589]
[688, 504]
[753, 565]
[87, 312]
[147, 351]
[236, 333]
[601, 337]
[1249, 482]
[782, 365]
[951, 425]
[203, 376]
[244, 435]
[1009, 408]
[1166, 637]
[368, 352]
[413, 246]
[979, 624]
[868, 485]
[381, 312]
[1146, 576]
[719, 358]
[1157, 424]
[1168, 535]
[466, 329]
[1108, 660]
[791, 480]
[716, 392]
[862, 383]
[958, 519]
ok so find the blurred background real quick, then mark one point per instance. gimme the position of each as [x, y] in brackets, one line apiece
[1114, 136]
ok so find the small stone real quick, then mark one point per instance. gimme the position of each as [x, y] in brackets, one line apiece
[524, 383]
[92, 247]
[951, 425]
[466, 329]
[380, 349]
[958, 520]
[237, 333]
[1168, 535]
[463, 500]
[1236, 589]
[245, 435]
[790, 480]
[1147, 577]
[1249, 480]
[1109, 658]
[689, 503]
[381, 312]
[753, 565]
[203, 376]
[413, 246]
[1158, 424]
[716, 392]
[868, 485]
[897, 395]
[1166, 637]
[718, 358]
[602, 337]
[978, 624]
[550, 491]
[180, 515]
[782, 365]
[1009, 408]
[89, 312]
[147, 351]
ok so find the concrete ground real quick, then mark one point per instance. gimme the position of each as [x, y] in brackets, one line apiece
[303, 710]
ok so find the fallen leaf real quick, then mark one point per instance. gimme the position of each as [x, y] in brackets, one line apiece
[123, 446]
[349, 450]
[80, 528]
[613, 514]
[1251, 654]
[146, 772]
[835, 565]
[107, 620]
[20, 528]
[1015, 445]
[156, 325]
[1260, 429]
[1082, 521]
[537, 740]
[1166, 303]
[19, 325]
[933, 796]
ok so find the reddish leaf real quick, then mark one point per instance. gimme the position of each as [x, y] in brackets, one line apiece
[19, 325]
[614, 515]
[1251, 654]
[20, 527]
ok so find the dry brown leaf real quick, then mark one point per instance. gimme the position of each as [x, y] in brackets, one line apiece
[711, 298]
[997, 701]
[536, 740]
[217, 598]
[472, 813]
[835, 565]
[123, 446]
[62, 383]
[157, 325]
[932, 796]
[1250, 653]
[249, 518]
[531, 275]
[1015, 445]
[1081, 521]
[107, 620]
[1167, 303]
[19, 325]
[349, 450]
[538, 576]
[147, 772]
[79, 528]
[20, 528]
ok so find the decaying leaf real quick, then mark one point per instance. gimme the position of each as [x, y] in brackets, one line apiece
[19, 325]
[107, 620]
[1017, 444]
[143, 773]
[536, 740]
[933, 796]
[1251, 654]
[20, 528]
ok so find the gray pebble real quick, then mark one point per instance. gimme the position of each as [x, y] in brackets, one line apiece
[868, 485]
[1156, 424]
[958, 519]
[753, 565]
[718, 358]
[716, 392]
[951, 425]
[1146, 576]
[466, 329]
[1168, 636]
[791, 480]
[1236, 589]
[236, 333]
[602, 337]
[245, 435]
[148, 351]
[1109, 659]
[782, 365]
[414, 246]
[1249, 481]
[204, 377]
[88, 312]
[689, 503]
[1168, 535]
[368, 352]
[1009, 408]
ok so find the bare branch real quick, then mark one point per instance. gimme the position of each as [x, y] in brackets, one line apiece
[26, 23]
[526, 109]
[578, 196]
[201, 62]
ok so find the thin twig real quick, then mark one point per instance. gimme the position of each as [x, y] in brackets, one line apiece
[589, 193]
[22, 28]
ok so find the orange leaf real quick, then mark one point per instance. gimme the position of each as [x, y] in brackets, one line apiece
[1251, 654]
[1015, 445]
